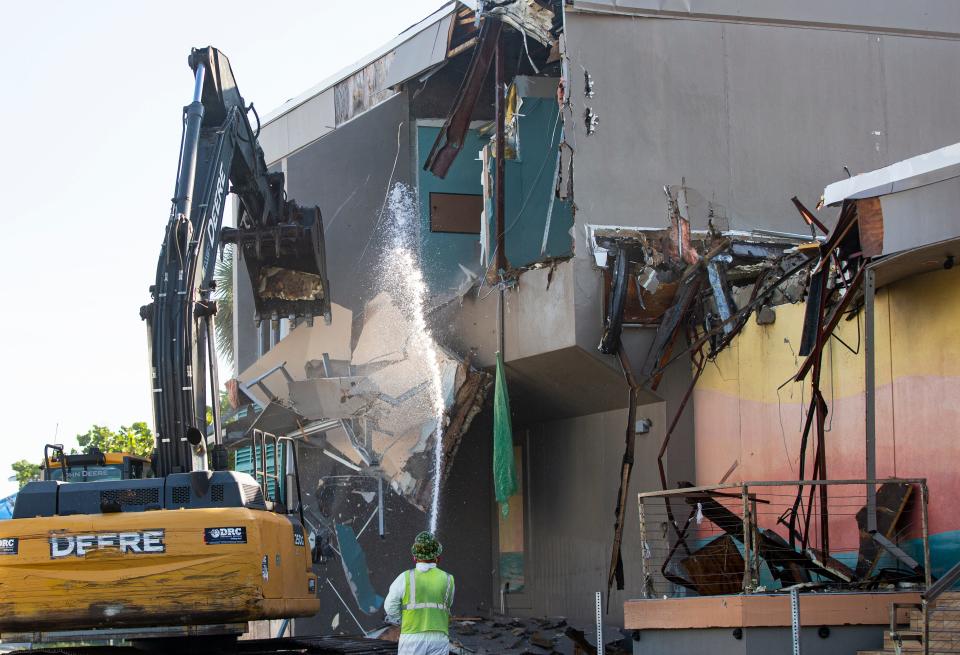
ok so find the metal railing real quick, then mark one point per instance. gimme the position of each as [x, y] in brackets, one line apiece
[268, 476]
[766, 535]
[279, 481]
[946, 633]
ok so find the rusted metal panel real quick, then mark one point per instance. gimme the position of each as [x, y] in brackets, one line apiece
[646, 309]
[829, 324]
[870, 224]
[928, 17]
[458, 213]
[670, 325]
[528, 17]
[715, 569]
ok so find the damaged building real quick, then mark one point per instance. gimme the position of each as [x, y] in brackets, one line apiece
[629, 244]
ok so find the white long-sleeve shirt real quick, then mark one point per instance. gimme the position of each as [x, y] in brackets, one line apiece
[420, 643]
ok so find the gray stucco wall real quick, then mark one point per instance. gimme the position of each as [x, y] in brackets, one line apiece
[749, 114]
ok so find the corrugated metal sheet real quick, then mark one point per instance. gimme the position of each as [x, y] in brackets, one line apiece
[939, 17]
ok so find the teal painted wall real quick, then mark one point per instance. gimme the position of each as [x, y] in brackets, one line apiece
[529, 186]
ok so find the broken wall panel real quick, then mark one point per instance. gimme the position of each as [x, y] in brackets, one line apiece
[386, 408]
[302, 345]
[938, 17]
[530, 17]
[363, 90]
[716, 568]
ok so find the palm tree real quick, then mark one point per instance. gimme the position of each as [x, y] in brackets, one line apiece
[223, 321]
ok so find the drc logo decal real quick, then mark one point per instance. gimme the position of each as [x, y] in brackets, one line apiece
[225, 535]
[79, 545]
[9, 545]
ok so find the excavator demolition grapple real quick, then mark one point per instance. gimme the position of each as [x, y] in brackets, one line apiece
[196, 545]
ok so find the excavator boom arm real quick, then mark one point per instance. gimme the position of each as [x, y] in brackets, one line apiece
[280, 244]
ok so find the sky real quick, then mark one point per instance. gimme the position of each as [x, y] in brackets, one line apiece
[91, 102]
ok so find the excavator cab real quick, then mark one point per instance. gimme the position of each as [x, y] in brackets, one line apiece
[92, 466]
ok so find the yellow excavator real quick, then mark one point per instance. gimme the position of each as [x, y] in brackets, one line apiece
[195, 544]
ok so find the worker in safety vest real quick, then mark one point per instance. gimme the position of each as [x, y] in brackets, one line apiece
[421, 598]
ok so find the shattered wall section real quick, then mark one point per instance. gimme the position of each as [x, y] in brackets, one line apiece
[538, 225]
[344, 502]
[386, 402]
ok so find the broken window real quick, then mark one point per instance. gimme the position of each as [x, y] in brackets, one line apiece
[457, 213]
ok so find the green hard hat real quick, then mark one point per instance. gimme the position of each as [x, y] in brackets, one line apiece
[426, 547]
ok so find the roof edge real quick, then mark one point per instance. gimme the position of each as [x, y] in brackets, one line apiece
[347, 71]
[743, 12]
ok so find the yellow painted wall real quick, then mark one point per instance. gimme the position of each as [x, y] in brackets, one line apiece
[745, 413]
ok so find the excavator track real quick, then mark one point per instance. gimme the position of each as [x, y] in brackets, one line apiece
[286, 646]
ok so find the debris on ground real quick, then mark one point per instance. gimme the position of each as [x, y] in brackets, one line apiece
[528, 636]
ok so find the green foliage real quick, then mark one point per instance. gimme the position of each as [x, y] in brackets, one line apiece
[26, 471]
[135, 439]
[223, 319]
[224, 407]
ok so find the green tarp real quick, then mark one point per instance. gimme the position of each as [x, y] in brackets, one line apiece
[504, 469]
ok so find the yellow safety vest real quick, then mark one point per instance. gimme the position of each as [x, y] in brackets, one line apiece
[427, 597]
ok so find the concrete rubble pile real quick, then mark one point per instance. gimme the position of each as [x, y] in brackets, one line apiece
[379, 393]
